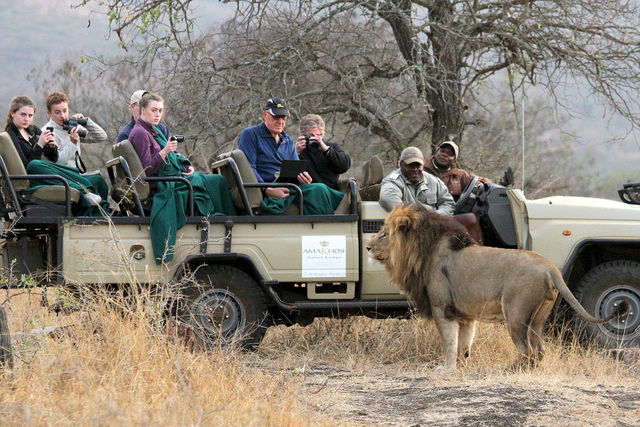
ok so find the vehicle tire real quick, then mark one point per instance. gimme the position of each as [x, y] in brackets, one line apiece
[600, 292]
[6, 356]
[225, 307]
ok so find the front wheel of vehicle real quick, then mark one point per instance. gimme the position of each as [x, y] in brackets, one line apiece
[601, 291]
[225, 306]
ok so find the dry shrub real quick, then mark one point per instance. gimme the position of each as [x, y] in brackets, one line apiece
[113, 364]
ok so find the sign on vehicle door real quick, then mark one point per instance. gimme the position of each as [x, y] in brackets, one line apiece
[324, 256]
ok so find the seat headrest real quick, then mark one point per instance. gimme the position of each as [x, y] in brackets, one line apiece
[372, 171]
[126, 150]
[12, 161]
[246, 174]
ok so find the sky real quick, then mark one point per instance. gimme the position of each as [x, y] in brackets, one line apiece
[36, 29]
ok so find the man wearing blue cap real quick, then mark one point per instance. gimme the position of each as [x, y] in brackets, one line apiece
[266, 145]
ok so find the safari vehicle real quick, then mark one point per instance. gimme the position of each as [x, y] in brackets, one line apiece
[251, 270]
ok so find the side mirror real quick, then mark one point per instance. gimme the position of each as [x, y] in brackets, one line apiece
[507, 179]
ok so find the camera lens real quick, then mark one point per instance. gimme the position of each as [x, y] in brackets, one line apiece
[312, 144]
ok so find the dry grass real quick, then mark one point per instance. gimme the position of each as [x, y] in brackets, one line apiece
[107, 368]
[400, 346]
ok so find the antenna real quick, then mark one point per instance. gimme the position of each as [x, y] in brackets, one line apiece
[522, 124]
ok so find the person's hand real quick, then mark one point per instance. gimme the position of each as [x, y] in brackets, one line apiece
[304, 178]
[73, 135]
[172, 145]
[189, 171]
[277, 192]
[323, 146]
[45, 138]
[78, 116]
[301, 144]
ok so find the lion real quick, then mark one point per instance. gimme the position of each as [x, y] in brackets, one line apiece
[432, 259]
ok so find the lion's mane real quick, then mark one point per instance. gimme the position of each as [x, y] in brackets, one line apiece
[413, 234]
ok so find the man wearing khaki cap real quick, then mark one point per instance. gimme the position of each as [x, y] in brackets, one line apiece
[410, 184]
[443, 165]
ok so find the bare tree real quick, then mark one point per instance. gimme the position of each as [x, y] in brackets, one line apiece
[425, 57]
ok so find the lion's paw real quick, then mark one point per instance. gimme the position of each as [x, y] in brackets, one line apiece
[442, 369]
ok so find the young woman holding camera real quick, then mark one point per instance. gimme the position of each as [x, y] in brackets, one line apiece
[159, 158]
[31, 144]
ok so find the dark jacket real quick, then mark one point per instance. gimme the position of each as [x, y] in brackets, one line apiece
[455, 179]
[30, 150]
[326, 166]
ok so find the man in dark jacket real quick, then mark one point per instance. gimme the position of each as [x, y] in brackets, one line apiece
[326, 159]
[443, 165]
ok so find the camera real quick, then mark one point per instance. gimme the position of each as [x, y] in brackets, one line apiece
[69, 124]
[178, 138]
[312, 144]
[50, 129]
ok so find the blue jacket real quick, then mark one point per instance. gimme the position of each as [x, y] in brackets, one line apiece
[262, 152]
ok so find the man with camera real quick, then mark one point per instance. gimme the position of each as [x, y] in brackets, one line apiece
[326, 160]
[68, 131]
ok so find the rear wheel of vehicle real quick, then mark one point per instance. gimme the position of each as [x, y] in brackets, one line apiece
[225, 306]
[6, 356]
[601, 291]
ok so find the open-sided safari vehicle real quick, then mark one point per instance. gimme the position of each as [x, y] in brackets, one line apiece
[250, 270]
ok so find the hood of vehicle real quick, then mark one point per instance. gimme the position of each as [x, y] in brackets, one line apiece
[570, 207]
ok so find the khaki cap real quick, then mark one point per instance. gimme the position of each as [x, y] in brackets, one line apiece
[452, 145]
[137, 96]
[412, 155]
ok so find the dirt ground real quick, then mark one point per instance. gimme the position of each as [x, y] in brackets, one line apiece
[384, 399]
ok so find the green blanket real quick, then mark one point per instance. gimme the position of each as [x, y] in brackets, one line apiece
[317, 199]
[211, 196]
[83, 183]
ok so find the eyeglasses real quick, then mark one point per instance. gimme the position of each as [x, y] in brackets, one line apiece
[279, 117]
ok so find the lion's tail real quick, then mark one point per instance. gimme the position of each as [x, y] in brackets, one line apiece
[555, 280]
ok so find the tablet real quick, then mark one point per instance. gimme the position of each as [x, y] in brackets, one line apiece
[290, 169]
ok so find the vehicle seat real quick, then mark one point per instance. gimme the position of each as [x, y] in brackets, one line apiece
[345, 185]
[372, 175]
[121, 189]
[247, 176]
[49, 197]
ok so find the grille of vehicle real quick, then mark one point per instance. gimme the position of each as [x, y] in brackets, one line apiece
[372, 225]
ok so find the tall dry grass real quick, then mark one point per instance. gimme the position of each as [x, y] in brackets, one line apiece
[116, 363]
[110, 368]
[403, 346]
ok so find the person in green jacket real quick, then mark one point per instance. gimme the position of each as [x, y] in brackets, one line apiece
[160, 158]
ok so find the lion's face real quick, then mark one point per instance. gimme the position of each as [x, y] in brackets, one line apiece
[378, 246]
